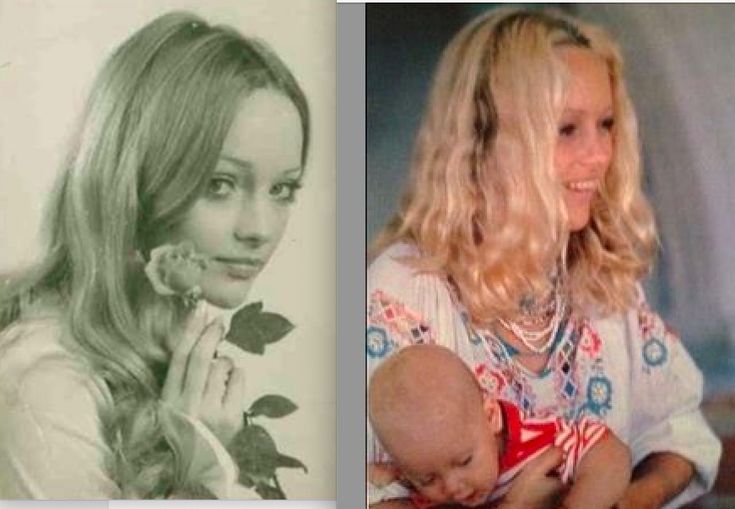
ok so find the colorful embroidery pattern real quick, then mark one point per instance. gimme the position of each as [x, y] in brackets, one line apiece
[590, 342]
[599, 394]
[565, 374]
[392, 325]
[491, 381]
[572, 385]
[654, 352]
[599, 389]
[377, 342]
[655, 334]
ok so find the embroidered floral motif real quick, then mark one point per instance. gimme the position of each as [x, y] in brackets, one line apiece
[654, 352]
[491, 381]
[377, 342]
[589, 342]
[655, 334]
[599, 395]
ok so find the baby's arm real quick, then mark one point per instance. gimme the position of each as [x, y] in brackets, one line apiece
[602, 476]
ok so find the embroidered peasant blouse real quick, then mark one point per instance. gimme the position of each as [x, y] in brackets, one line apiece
[629, 370]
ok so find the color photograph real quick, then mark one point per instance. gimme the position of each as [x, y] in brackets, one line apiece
[549, 283]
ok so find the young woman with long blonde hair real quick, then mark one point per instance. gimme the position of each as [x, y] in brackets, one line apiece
[520, 244]
[109, 389]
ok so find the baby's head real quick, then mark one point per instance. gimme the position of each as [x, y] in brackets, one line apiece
[427, 410]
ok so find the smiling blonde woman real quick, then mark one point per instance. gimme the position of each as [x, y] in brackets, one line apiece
[520, 245]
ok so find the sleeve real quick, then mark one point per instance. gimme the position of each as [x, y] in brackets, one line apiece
[51, 443]
[405, 308]
[575, 440]
[207, 461]
[667, 393]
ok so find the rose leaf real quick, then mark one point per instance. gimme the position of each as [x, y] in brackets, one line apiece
[273, 406]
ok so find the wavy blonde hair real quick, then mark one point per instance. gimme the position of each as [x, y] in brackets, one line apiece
[483, 205]
[148, 143]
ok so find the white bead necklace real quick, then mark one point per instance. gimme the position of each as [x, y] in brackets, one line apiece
[530, 339]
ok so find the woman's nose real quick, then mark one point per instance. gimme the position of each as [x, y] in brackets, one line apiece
[598, 148]
[253, 224]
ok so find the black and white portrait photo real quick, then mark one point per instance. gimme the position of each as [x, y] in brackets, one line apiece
[167, 250]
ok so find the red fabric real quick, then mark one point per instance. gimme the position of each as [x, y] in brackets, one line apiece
[527, 438]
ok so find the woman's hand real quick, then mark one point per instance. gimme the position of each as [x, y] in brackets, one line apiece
[204, 387]
[656, 480]
[640, 496]
[537, 486]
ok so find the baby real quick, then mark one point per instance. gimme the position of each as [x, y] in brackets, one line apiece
[427, 410]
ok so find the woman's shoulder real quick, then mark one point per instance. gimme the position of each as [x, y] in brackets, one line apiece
[406, 300]
[37, 367]
[392, 272]
[393, 258]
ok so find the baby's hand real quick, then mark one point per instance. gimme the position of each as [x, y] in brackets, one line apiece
[382, 474]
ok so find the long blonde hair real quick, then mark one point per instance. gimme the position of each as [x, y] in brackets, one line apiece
[149, 140]
[483, 205]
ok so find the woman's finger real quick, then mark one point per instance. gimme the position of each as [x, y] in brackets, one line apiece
[219, 374]
[193, 329]
[235, 396]
[200, 361]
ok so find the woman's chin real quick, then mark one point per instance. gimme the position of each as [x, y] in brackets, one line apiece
[220, 303]
[226, 298]
[578, 221]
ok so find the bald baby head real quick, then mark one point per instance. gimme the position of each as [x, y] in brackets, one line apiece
[420, 391]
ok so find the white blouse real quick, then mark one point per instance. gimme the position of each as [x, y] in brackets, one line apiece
[51, 441]
[629, 370]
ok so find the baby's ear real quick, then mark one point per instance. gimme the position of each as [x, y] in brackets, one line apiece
[493, 413]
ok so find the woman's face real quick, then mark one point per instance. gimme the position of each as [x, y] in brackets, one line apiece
[584, 148]
[241, 215]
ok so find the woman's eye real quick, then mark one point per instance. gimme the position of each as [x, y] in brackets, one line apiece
[608, 123]
[285, 192]
[220, 187]
[567, 130]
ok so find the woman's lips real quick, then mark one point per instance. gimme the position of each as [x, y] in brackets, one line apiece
[581, 192]
[240, 268]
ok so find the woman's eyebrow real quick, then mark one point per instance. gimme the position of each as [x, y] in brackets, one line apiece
[582, 111]
[245, 165]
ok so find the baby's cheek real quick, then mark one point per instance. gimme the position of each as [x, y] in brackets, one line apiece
[434, 494]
